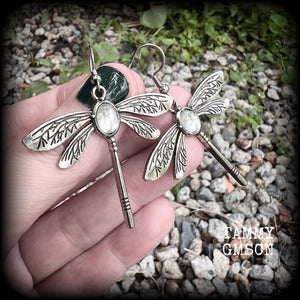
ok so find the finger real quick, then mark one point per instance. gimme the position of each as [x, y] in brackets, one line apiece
[94, 271]
[30, 174]
[81, 222]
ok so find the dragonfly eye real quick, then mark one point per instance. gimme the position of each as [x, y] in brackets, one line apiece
[106, 118]
[188, 121]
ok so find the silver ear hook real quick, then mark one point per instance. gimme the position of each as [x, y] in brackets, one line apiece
[163, 88]
[96, 79]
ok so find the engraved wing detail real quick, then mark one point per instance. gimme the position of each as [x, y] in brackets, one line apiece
[153, 105]
[207, 89]
[214, 106]
[161, 156]
[54, 132]
[141, 127]
[75, 148]
[180, 157]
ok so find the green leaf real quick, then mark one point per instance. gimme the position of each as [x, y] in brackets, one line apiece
[155, 17]
[186, 55]
[45, 62]
[105, 52]
[34, 89]
[234, 76]
[175, 189]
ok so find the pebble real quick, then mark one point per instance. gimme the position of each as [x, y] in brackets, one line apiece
[262, 287]
[221, 286]
[204, 193]
[171, 270]
[241, 157]
[203, 267]
[186, 236]
[262, 272]
[217, 229]
[204, 287]
[218, 185]
[183, 194]
[221, 264]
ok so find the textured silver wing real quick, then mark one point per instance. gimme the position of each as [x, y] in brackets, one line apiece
[75, 148]
[180, 157]
[214, 106]
[161, 156]
[54, 132]
[207, 89]
[141, 127]
[154, 104]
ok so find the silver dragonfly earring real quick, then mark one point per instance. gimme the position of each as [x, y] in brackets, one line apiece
[204, 101]
[105, 118]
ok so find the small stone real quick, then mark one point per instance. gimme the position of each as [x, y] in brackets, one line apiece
[243, 143]
[241, 157]
[243, 284]
[233, 290]
[147, 265]
[171, 270]
[187, 287]
[172, 288]
[38, 76]
[183, 194]
[272, 94]
[169, 252]
[204, 193]
[204, 287]
[262, 196]
[217, 229]
[195, 184]
[282, 278]
[289, 255]
[203, 267]
[221, 286]
[195, 249]
[262, 287]
[234, 269]
[186, 236]
[221, 263]
[218, 185]
[41, 53]
[39, 31]
[272, 259]
[261, 272]
[269, 210]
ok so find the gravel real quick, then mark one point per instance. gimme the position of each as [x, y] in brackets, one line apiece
[191, 260]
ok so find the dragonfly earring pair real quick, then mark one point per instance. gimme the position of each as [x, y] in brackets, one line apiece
[104, 93]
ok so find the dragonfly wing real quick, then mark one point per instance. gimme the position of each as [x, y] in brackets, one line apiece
[141, 127]
[214, 106]
[154, 104]
[54, 132]
[161, 156]
[75, 148]
[180, 157]
[207, 89]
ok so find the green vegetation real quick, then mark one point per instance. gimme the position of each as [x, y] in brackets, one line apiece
[259, 33]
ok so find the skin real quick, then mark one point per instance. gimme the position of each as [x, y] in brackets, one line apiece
[83, 246]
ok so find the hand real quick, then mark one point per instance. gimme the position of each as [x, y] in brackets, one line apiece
[83, 246]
